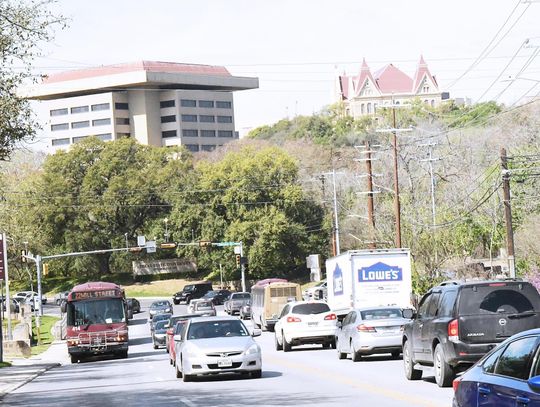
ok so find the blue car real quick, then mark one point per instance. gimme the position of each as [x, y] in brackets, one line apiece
[509, 375]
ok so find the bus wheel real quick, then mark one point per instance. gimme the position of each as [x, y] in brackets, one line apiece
[74, 358]
[123, 354]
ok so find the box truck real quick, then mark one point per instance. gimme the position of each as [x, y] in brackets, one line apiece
[368, 278]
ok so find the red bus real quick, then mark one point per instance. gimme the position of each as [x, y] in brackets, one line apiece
[96, 320]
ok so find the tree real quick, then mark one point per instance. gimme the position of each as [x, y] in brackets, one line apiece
[23, 25]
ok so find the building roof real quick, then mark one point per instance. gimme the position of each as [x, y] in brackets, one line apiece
[138, 75]
[387, 80]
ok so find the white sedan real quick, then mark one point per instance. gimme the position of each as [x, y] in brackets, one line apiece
[305, 322]
[216, 345]
[368, 331]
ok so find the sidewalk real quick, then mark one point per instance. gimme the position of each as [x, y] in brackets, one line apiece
[24, 370]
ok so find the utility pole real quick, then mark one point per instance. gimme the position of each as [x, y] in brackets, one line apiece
[337, 248]
[430, 161]
[370, 193]
[508, 214]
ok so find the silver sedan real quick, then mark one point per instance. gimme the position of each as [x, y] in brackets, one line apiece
[368, 331]
[216, 345]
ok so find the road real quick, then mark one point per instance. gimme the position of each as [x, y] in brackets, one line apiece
[308, 375]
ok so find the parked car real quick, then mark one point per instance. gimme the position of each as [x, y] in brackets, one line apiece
[134, 305]
[235, 302]
[245, 311]
[317, 292]
[305, 322]
[204, 308]
[159, 333]
[61, 296]
[215, 345]
[157, 318]
[191, 292]
[218, 297]
[509, 375]
[29, 297]
[160, 307]
[14, 305]
[368, 331]
[459, 322]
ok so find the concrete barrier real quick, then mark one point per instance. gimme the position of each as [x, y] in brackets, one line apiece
[17, 348]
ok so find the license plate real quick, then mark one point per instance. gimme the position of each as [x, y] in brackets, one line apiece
[313, 323]
[224, 362]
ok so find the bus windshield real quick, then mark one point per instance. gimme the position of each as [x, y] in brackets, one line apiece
[107, 311]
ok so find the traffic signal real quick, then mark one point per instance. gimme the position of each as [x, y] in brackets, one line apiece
[136, 249]
[238, 258]
[45, 269]
[205, 243]
[167, 245]
[23, 256]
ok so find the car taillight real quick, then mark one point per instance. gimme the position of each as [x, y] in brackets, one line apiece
[330, 317]
[456, 383]
[453, 330]
[293, 319]
[365, 328]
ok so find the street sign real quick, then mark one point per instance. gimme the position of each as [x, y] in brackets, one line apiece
[141, 240]
[237, 250]
[151, 246]
[226, 244]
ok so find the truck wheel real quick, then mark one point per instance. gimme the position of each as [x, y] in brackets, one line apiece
[408, 363]
[444, 373]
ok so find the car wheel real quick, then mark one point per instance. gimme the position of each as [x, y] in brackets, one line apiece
[176, 302]
[256, 374]
[333, 344]
[178, 372]
[326, 345]
[408, 363]
[341, 355]
[170, 361]
[74, 358]
[287, 347]
[278, 346]
[444, 374]
[355, 356]
[155, 346]
[395, 354]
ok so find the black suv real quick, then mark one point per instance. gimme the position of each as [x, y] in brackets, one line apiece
[192, 292]
[458, 322]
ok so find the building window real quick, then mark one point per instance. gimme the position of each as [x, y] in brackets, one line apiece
[100, 106]
[425, 89]
[60, 142]
[397, 102]
[206, 103]
[368, 108]
[375, 106]
[225, 133]
[208, 147]
[80, 125]
[189, 117]
[166, 103]
[104, 136]
[168, 133]
[362, 109]
[123, 135]
[122, 120]
[188, 103]
[224, 119]
[192, 147]
[78, 139]
[204, 118]
[208, 133]
[61, 126]
[58, 112]
[121, 106]
[168, 119]
[101, 122]
[223, 104]
[190, 133]
[79, 109]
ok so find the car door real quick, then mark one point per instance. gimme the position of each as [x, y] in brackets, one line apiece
[417, 327]
[278, 328]
[430, 327]
[504, 382]
[343, 342]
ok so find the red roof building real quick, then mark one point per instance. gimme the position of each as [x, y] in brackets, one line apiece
[365, 92]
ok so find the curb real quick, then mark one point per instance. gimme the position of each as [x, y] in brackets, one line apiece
[26, 380]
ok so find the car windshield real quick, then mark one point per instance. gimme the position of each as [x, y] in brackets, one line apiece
[189, 288]
[216, 329]
[203, 305]
[386, 313]
[161, 317]
[242, 296]
[210, 294]
[161, 324]
[313, 308]
[158, 304]
[498, 298]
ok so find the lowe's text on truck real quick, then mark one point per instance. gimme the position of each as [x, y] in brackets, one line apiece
[368, 278]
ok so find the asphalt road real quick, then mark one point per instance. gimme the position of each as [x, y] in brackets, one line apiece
[308, 375]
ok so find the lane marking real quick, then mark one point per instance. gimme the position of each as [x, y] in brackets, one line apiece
[188, 402]
[368, 387]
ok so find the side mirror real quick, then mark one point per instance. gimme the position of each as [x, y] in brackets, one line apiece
[63, 306]
[408, 313]
[339, 324]
[256, 332]
[177, 338]
[534, 383]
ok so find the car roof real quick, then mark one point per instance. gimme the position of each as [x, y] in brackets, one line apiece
[306, 302]
[473, 282]
[382, 307]
[214, 319]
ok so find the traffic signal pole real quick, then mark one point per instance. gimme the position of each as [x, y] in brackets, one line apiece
[242, 267]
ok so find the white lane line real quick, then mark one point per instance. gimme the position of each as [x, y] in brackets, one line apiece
[187, 402]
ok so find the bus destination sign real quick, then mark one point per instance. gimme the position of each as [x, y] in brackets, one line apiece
[85, 295]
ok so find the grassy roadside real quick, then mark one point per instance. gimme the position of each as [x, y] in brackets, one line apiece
[161, 288]
[4, 364]
[45, 335]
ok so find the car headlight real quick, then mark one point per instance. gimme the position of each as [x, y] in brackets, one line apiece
[193, 352]
[168, 310]
[253, 349]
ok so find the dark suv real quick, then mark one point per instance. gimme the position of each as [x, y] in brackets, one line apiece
[192, 292]
[458, 322]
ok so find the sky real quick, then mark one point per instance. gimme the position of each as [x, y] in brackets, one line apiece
[476, 49]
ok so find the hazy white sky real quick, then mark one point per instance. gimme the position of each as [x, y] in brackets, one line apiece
[296, 47]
